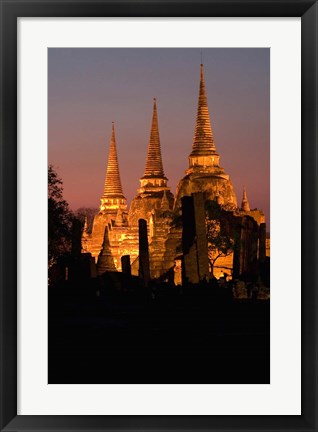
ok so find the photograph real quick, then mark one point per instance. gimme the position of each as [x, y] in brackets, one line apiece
[158, 215]
[158, 204]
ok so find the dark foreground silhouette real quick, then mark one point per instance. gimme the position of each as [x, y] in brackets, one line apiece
[159, 335]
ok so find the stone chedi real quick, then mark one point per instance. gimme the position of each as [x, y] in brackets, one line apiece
[245, 204]
[153, 192]
[113, 198]
[245, 209]
[105, 260]
[205, 173]
[115, 230]
[112, 211]
[154, 201]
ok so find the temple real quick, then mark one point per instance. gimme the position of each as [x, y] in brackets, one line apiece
[204, 172]
[115, 231]
[113, 212]
[153, 191]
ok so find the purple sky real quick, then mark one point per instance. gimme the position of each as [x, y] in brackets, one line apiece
[89, 88]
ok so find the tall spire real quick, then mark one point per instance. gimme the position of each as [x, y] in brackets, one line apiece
[203, 143]
[154, 166]
[113, 186]
[245, 205]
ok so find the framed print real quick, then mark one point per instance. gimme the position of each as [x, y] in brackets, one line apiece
[170, 281]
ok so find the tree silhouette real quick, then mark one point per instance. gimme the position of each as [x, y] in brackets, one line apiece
[59, 218]
[86, 213]
[220, 232]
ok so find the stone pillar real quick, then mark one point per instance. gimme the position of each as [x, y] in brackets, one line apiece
[144, 267]
[194, 241]
[93, 269]
[245, 250]
[202, 242]
[262, 242]
[125, 265]
[236, 271]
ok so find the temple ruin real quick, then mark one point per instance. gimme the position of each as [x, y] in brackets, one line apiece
[115, 230]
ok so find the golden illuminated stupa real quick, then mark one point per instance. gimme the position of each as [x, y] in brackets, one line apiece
[113, 206]
[153, 184]
[153, 202]
[113, 198]
[114, 231]
[245, 204]
[205, 173]
[105, 260]
[154, 168]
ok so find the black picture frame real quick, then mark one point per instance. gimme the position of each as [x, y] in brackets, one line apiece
[10, 11]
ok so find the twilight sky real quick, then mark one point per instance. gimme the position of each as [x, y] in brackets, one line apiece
[89, 88]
